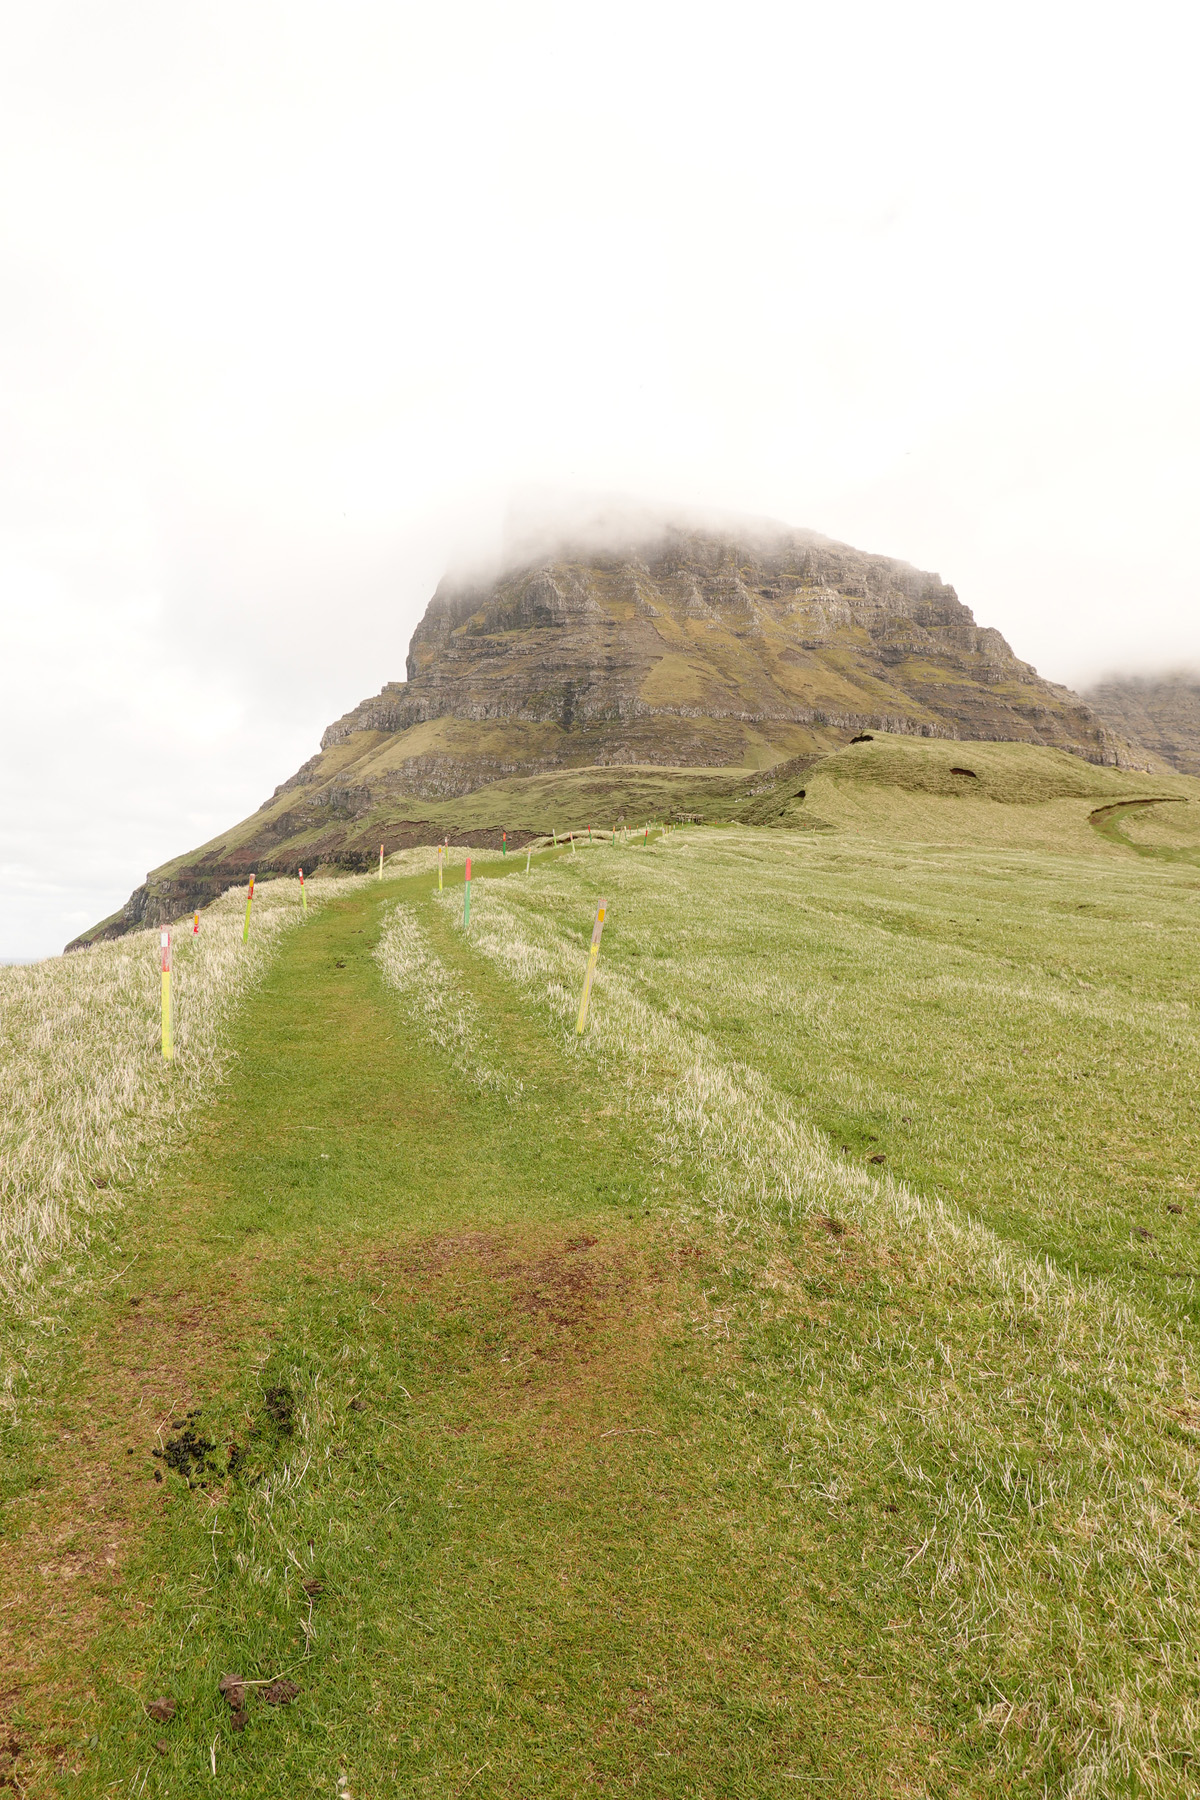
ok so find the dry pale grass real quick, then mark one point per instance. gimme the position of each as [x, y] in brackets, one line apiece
[87, 1102]
[439, 1002]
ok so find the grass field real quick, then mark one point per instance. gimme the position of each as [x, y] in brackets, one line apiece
[790, 1387]
[86, 1102]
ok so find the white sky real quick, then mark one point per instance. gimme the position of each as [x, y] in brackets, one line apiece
[293, 298]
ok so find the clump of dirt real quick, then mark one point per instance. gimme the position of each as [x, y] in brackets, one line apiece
[162, 1710]
[193, 1455]
[10, 1749]
[280, 1406]
[188, 1453]
[277, 1420]
[232, 1689]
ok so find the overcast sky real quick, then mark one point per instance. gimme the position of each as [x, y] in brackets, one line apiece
[294, 298]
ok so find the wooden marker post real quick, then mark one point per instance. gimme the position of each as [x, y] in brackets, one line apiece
[249, 902]
[381, 862]
[467, 896]
[528, 854]
[303, 895]
[168, 1048]
[593, 953]
[572, 843]
[441, 853]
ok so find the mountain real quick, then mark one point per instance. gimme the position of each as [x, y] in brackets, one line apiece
[1160, 711]
[673, 670]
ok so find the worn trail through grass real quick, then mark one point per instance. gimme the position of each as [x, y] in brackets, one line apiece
[792, 1387]
[466, 1462]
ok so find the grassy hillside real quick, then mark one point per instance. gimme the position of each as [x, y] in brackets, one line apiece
[846, 784]
[791, 1386]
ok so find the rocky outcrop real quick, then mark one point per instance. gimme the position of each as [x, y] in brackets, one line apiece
[615, 653]
[1160, 711]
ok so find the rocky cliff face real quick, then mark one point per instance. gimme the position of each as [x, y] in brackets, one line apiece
[691, 651]
[700, 649]
[1161, 712]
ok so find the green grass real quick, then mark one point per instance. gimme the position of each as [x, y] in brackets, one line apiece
[648, 1435]
[1156, 827]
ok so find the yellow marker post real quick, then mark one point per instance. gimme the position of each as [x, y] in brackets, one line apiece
[303, 895]
[249, 903]
[593, 953]
[168, 1048]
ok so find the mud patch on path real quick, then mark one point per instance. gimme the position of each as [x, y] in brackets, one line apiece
[567, 1322]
